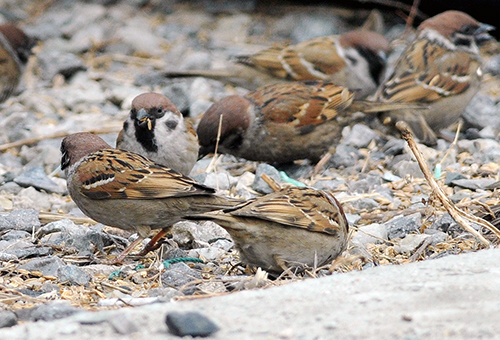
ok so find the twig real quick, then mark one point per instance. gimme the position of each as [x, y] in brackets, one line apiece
[46, 217]
[420, 249]
[395, 4]
[461, 217]
[214, 159]
[411, 16]
[271, 182]
[59, 134]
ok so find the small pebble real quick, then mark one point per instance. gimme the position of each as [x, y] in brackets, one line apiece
[190, 323]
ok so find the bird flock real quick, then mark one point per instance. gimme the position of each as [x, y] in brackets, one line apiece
[301, 97]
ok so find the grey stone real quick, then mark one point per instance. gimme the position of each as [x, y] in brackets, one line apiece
[66, 233]
[178, 93]
[455, 198]
[37, 178]
[390, 177]
[372, 233]
[474, 184]
[56, 62]
[48, 266]
[31, 252]
[447, 225]
[209, 253]
[221, 180]
[15, 235]
[8, 257]
[11, 188]
[410, 243]
[400, 226]
[7, 319]
[185, 232]
[452, 176]
[259, 184]
[52, 311]
[20, 219]
[366, 184]
[437, 236]
[482, 111]
[365, 204]
[352, 218]
[165, 293]
[394, 147]
[405, 168]
[345, 156]
[360, 136]
[179, 274]
[73, 274]
[190, 323]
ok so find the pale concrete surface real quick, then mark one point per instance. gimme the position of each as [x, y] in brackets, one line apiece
[456, 297]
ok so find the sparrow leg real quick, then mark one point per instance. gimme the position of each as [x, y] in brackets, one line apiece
[153, 244]
[119, 259]
[427, 135]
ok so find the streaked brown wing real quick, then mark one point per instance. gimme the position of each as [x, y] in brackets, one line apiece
[112, 173]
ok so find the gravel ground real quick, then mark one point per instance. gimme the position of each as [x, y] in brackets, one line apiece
[84, 77]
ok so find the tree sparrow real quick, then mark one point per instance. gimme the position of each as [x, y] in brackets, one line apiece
[156, 130]
[128, 191]
[292, 227]
[281, 123]
[441, 69]
[15, 49]
[355, 60]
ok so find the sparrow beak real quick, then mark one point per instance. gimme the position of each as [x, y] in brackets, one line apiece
[481, 33]
[143, 118]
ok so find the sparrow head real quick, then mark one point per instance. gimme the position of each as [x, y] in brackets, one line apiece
[76, 146]
[231, 113]
[148, 107]
[18, 40]
[371, 41]
[371, 45]
[459, 27]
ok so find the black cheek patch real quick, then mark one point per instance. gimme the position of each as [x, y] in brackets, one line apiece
[171, 124]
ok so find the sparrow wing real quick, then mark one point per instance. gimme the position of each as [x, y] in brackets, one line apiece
[296, 207]
[312, 59]
[301, 104]
[9, 73]
[426, 74]
[112, 173]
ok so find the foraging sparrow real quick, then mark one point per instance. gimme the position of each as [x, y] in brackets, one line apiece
[441, 69]
[291, 227]
[281, 123]
[15, 49]
[125, 190]
[355, 60]
[156, 130]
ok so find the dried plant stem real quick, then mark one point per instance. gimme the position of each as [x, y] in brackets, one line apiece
[59, 134]
[461, 217]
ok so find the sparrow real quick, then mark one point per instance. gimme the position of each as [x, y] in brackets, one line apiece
[355, 59]
[156, 130]
[126, 190]
[15, 49]
[440, 69]
[291, 227]
[281, 123]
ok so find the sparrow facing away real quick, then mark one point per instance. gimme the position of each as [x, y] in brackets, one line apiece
[281, 123]
[291, 227]
[156, 130]
[15, 49]
[440, 69]
[128, 191]
[355, 60]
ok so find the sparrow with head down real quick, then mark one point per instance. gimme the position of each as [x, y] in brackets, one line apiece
[354, 59]
[440, 69]
[158, 131]
[128, 191]
[291, 227]
[281, 123]
[15, 49]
